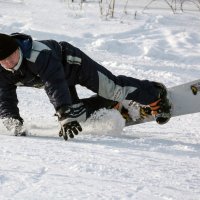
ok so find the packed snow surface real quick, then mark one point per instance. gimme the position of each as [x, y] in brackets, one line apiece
[106, 161]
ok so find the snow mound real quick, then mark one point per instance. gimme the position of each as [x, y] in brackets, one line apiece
[104, 122]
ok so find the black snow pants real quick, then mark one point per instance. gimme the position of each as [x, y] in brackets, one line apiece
[81, 69]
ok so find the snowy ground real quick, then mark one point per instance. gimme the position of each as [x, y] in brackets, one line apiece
[105, 162]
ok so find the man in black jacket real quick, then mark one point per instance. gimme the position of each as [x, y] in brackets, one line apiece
[58, 67]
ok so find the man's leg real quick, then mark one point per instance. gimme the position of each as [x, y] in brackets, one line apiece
[94, 103]
[117, 88]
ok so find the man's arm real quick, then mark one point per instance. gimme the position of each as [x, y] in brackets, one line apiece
[9, 110]
[51, 71]
[8, 102]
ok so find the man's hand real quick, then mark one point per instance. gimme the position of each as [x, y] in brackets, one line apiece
[69, 130]
[69, 118]
[15, 126]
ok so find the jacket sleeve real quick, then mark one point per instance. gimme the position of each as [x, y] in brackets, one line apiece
[8, 102]
[51, 71]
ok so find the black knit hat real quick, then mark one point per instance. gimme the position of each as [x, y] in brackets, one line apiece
[8, 45]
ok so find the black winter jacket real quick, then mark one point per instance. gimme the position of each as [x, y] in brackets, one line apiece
[42, 66]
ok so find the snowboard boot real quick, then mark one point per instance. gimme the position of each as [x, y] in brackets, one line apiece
[161, 108]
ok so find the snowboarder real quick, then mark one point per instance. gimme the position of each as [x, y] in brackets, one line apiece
[58, 67]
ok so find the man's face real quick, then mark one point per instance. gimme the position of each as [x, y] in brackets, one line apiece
[11, 61]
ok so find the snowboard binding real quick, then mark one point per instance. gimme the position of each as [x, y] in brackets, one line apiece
[123, 111]
[161, 109]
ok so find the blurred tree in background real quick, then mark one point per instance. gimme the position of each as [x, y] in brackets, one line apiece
[108, 7]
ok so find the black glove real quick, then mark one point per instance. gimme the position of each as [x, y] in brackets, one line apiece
[69, 118]
[15, 125]
[70, 129]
